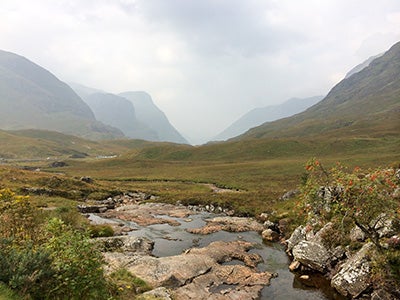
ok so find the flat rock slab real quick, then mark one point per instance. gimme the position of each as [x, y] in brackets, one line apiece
[199, 273]
[149, 213]
[230, 224]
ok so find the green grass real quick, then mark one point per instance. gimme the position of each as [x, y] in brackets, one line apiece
[7, 294]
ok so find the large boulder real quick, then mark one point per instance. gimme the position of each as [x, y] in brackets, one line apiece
[354, 275]
[312, 255]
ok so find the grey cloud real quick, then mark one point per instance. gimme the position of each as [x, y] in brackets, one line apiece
[220, 27]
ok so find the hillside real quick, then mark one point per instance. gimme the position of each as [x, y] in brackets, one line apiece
[261, 115]
[36, 144]
[150, 115]
[119, 112]
[367, 104]
[32, 97]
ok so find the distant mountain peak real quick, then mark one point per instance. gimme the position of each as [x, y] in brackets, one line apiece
[260, 115]
[32, 97]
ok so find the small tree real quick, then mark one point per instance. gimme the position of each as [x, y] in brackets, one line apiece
[366, 198]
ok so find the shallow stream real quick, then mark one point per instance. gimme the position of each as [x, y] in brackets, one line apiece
[173, 240]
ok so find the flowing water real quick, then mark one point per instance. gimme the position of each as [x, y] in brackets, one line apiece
[173, 240]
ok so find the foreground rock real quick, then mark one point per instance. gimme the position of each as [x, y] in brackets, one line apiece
[354, 275]
[350, 274]
[230, 224]
[199, 273]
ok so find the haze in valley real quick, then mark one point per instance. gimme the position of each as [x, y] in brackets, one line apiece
[205, 63]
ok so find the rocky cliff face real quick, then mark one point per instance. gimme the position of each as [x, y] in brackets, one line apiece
[120, 113]
[150, 115]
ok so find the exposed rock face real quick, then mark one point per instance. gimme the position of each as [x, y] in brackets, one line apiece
[312, 255]
[354, 275]
[298, 235]
[231, 224]
[198, 273]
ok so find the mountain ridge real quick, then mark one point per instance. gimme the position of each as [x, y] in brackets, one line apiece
[367, 99]
[260, 115]
[32, 97]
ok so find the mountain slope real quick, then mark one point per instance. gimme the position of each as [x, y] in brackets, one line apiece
[261, 115]
[150, 115]
[365, 104]
[119, 112]
[32, 97]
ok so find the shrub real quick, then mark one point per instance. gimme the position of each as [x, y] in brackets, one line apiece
[77, 263]
[364, 198]
[25, 269]
[100, 230]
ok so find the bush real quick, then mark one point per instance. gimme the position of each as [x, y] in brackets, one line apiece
[26, 270]
[364, 198]
[78, 265]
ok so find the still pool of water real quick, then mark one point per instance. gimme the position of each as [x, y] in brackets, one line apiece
[173, 240]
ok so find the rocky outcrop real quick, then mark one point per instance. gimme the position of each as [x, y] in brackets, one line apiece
[149, 213]
[231, 224]
[199, 273]
[354, 275]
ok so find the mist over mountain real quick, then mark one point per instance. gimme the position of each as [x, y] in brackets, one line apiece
[261, 115]
[32, 97]
[365, 104]
[150, 115]
[120, 113]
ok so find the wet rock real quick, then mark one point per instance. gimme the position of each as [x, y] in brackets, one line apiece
[270, 235]
[354, 275]
[90, 209]
[294, 265]
[199, 267]
[129, 244]
[312, 255]
[231, 224]
[149, 213]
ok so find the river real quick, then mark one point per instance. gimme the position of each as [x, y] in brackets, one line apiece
[173, 240]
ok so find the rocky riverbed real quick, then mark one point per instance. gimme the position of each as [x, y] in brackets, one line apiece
[193, 254]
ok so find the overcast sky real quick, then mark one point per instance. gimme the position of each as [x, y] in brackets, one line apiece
[205, 62]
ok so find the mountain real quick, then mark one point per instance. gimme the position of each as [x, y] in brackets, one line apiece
[120, 113]
[365, 104]
[362, 66]
[261, 115]
[150, 115]
[32, 97]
